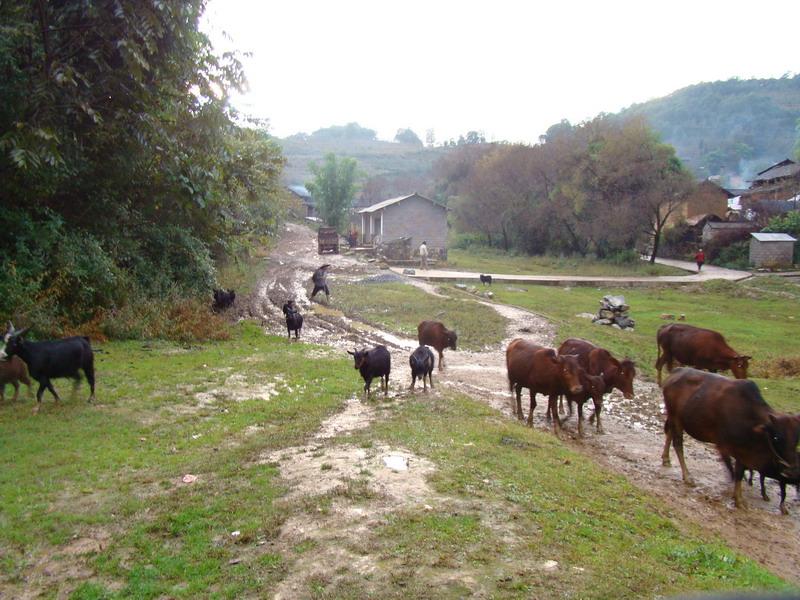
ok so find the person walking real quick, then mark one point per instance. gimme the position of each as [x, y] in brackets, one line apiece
[700, 259]
[423, 256]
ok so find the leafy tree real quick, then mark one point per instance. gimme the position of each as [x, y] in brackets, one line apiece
[115, 131]
[407, 136]
[334, 187]
[351, 131]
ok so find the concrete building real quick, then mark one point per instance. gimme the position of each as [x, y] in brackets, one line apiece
[414, 216]
[771, 250]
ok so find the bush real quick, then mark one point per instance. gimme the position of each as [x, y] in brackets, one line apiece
[734, 256]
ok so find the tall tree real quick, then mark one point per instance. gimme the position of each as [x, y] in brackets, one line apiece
[334, 186]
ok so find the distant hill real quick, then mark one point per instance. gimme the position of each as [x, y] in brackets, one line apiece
[731, 128]
[393, 160]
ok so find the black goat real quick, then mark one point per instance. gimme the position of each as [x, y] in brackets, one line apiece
[320, 279]
[421, 362]
[486, 279]
[373, 363]
[51, 359]
[223, 300]
[294, 320]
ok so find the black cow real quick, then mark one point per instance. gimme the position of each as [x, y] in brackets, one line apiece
[421, 362]
[373, 363]
[223, 300]
[294, 320]
[51, 359]
[486, 279]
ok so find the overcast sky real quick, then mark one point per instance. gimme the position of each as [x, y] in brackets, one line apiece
[509, 69]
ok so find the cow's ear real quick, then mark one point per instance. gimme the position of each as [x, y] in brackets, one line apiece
[21, 332]
[351, 353]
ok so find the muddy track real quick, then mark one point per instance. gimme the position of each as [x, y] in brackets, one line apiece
[633, 438]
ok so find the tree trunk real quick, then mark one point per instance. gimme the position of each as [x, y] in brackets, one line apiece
[656, 240]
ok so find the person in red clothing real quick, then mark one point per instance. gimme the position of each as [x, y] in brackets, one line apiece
[700, 258]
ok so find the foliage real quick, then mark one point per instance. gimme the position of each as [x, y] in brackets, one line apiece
[596, 188]
[733, 127]
[122, 166]
[333, 187]
[735, 255]
[407, 136]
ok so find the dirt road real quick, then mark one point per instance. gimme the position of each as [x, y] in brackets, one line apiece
[633, 440]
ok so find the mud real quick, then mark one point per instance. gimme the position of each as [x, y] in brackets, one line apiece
[631, 445]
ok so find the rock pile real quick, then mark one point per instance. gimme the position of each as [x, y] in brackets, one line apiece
[613, 311]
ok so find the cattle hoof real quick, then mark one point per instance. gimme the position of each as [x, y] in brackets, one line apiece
[666, 463]
[689, 482]
[784, 510]
[765, 497]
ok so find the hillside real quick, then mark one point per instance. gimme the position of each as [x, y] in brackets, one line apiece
[730, 128]
[375, 157]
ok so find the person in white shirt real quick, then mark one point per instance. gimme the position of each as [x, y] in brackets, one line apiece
[423, 255]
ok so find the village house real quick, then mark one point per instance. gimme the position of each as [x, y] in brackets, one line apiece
[708, 201]
[413, 218]
[776, 189]
[300, 192]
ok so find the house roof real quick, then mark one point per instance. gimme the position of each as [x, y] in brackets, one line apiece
[773, 237]
[730, 225]
[785, 168]
[384, 203]
[697, 219]
[300, 190]
[715, 185]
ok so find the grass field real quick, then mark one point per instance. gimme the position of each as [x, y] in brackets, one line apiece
[111, 472]
[399, 308]
[488, 260]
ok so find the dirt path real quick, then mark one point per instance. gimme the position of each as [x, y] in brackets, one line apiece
[631, 445]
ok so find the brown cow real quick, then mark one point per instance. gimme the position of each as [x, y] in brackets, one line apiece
[699, 348]
[733, 416]
[542, 371]
[593, 388]
[13, 371]
[599, 361]
[436, 335]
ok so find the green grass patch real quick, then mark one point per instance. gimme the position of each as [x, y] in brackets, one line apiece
[490, 260]
[757, 317]
[400, 307]
[163, 411]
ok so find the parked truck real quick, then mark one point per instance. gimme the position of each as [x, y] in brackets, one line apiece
[327, 240]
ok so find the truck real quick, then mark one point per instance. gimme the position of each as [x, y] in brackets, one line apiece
[327, 240]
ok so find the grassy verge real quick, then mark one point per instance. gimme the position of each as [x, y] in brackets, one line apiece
[757, 317]
[399, 308]
[489, 260]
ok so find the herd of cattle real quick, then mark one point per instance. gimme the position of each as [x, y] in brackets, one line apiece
[729, 413]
